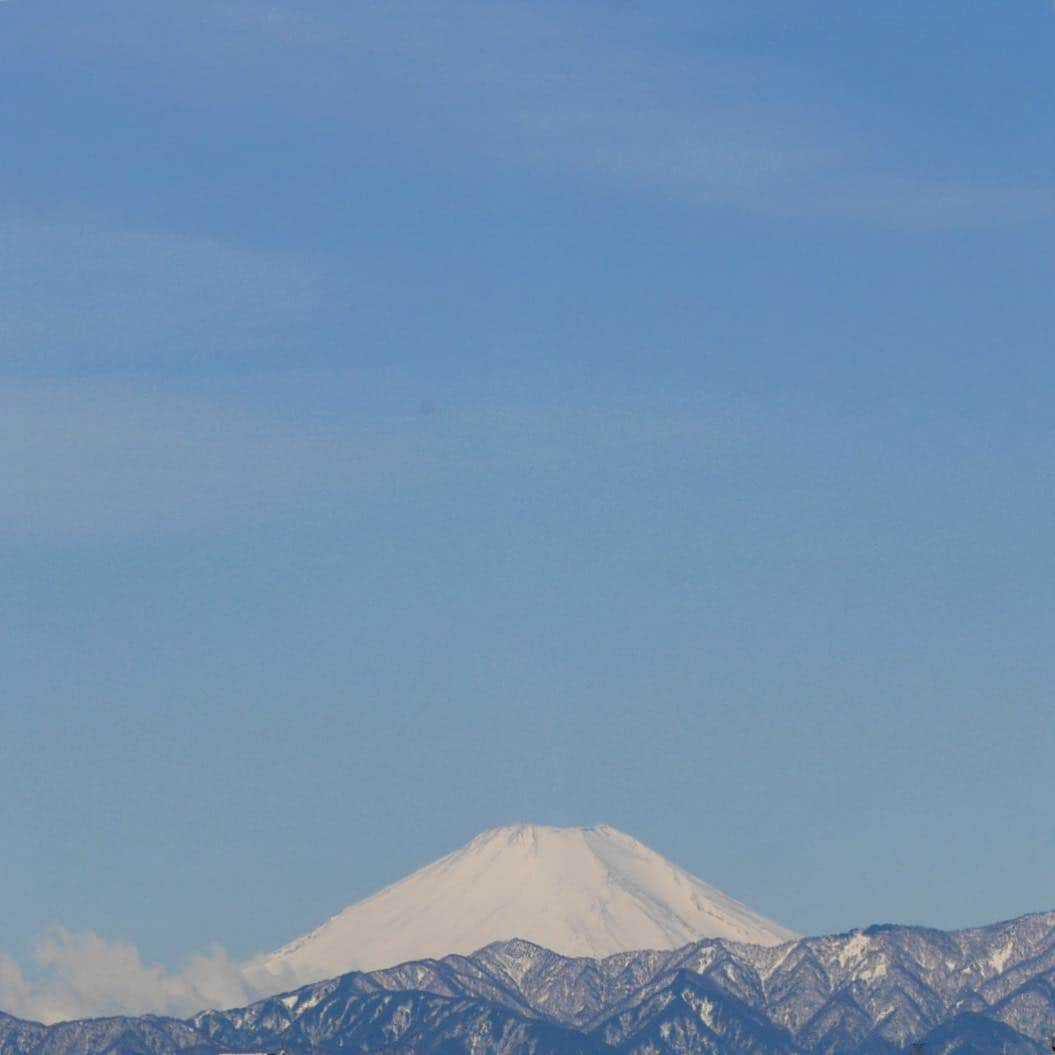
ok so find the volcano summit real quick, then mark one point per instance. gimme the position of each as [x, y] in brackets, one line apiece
[578, 891]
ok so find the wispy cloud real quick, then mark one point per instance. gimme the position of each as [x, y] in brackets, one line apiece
[591, 96]
[86, 288]
[106, 459]
[81, 975]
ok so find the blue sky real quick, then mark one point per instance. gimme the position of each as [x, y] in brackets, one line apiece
[420, 418]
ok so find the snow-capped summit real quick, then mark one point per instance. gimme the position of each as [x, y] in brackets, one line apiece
[577, 891]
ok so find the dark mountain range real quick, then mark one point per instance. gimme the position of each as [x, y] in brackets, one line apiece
[986, 991]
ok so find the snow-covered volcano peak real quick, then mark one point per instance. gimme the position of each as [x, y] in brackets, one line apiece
[530, 839]
[577, 891]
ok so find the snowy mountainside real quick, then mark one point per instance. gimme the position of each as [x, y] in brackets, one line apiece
[587, 892]
[869, 992]
[985, 991]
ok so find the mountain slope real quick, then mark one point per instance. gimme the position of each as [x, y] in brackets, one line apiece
[579, 891]
[985, 991]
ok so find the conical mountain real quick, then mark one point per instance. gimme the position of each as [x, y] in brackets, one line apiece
[577, 891]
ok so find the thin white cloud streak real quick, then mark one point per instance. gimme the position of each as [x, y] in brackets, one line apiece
[106, 461]
[81, 975]
[534, 86]
[86, 283]
[93, 460]
[588, 94]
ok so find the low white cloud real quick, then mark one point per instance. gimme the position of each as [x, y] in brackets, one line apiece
[81, 975]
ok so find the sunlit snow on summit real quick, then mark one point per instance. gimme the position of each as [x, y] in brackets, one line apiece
[578, 891]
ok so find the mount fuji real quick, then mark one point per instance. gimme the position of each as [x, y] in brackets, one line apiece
[581, 892]
[469, 973]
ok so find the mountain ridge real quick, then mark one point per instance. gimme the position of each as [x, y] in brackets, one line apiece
[871, 991]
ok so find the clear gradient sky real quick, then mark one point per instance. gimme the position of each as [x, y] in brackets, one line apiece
[421, 417]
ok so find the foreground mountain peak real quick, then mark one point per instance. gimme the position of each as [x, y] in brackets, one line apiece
[879, 991]
[585, 892]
